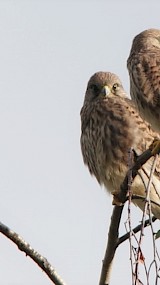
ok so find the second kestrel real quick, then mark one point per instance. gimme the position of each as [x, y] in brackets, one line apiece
[144, 71]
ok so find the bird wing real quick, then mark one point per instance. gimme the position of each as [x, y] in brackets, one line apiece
[144, 69]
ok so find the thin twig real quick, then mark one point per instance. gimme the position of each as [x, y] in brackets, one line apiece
[153, 238]
[130, 164]
[147, 203]
[41, 261]
[135, 230]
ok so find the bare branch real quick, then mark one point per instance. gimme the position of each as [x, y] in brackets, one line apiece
[147, 206]
[113, 240]
[111, 245]
[130, 164]
[41, 261]
[155, 255]
[135, 230]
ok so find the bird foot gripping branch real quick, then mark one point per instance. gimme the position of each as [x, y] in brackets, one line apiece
[155, 146]
[116, 199]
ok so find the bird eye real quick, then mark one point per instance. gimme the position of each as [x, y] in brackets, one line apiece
[94, 88]
[115, 86]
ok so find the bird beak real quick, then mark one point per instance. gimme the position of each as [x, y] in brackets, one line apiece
[105, 90]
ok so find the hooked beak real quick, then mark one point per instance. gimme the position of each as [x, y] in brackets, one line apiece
[106, 90]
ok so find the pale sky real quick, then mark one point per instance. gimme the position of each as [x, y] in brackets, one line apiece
[48, 51]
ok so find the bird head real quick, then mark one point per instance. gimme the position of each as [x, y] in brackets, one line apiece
[146, 40]
[103, 85]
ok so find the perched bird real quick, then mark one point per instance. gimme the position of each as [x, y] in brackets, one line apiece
[144, 71]
[110, 127]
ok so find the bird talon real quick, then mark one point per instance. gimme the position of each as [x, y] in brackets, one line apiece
[116, 201]
[155, 146]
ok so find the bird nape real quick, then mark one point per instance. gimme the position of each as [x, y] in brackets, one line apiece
[110, 127]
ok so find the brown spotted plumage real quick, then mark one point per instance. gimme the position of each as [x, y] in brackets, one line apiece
[111, 126]
[144, 71]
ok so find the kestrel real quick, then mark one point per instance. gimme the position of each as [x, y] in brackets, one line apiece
[111, 126]
[144, 71]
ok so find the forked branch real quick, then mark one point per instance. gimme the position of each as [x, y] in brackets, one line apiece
[113, 236]
[113, 240]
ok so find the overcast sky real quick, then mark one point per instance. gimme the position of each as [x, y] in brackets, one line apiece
[48, 51]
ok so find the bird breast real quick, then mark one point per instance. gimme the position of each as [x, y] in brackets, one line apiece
[107, 136]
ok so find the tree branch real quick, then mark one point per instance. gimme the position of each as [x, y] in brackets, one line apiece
[41, 261]
[111, 245]
[135, 230]
[113, 240]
